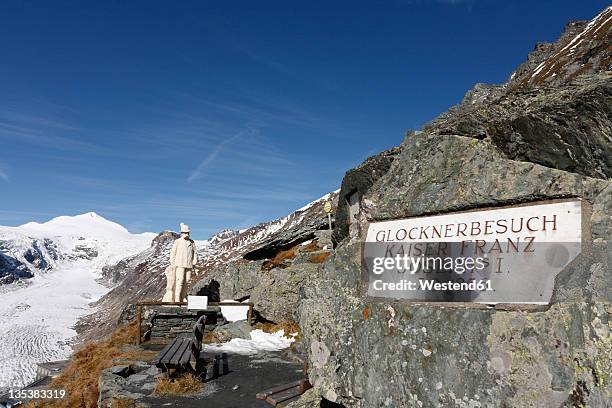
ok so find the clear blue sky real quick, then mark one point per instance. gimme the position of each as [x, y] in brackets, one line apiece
[225, 114]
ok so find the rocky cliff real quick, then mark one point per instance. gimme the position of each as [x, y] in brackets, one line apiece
[554, 110]
[545, 134]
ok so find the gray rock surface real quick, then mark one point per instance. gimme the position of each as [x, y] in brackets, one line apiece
[133, 381]
[277, 295]
[237, 279]
[234, 330]
[568, 127]
[274, 293]
[113, 387]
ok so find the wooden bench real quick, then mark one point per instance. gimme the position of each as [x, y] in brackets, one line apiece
[283, 393]
[183, 354]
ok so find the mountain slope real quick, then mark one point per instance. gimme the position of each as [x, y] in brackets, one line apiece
[556, 108]
[583, 48]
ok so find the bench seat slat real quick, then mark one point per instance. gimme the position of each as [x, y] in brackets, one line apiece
[282, 396]
[164, 353]
[169, 352]
[303, 384]
[170, 355]
[178, 356]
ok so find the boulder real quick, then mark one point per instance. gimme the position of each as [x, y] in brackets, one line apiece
[324, 239]
[113, 387]
[277, 295]
[236, 280]
[130, 382]
[358, 181]
[234, 330]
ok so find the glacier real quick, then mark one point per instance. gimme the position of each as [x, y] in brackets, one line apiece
[65, 257]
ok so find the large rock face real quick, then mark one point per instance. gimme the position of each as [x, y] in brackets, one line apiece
[236, 280]
[517, 143]
[369, 352]
[556, 107]
[568, 127]
[275, 290]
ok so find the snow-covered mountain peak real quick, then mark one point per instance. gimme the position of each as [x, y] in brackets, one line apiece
[89, 225]
[35, 247]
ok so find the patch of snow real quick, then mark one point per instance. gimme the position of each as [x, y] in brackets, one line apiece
[324, 198]
[575, 42]
[260, 341]
[578, 38]
[538, 69]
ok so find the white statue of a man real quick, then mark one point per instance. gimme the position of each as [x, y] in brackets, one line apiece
[183, 257]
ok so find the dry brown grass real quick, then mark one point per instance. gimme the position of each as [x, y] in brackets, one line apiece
[281, 259]
[185, 384]
[212, 337]
[319, 258]
[80, 378]
[123, 403]
[312, 246]
[288, 326]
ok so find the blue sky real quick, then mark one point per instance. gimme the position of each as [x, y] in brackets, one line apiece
[226, 114]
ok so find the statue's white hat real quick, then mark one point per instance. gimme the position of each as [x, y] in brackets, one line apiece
[185, 228]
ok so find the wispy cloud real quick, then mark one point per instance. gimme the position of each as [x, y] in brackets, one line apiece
[199, 172]
[3, 175]
[44, 130]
